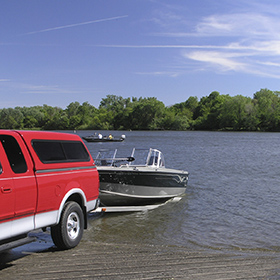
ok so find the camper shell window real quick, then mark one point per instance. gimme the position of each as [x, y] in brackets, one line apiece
[55, 151]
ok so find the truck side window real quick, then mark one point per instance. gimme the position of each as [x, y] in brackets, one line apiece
[14, 153]
[50, 151]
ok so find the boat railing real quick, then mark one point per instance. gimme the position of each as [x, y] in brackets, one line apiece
[139, 157]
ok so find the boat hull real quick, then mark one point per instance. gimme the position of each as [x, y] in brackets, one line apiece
[133, 187]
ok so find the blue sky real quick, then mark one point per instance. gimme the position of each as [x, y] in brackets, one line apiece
[56, 52]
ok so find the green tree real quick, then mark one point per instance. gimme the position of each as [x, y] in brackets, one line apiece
[209, 113]
[122, 119]
[185, 111]
[72, 109]
[33, 117]
[114, 103]
[237, 113]
[86, 113]
[144, 112]
[206, 115]
[30, 122]
[74, 122]
[53, 118]
[11, 118]
[170, 121]
[268, 109]
[118, 109]
[251, 122]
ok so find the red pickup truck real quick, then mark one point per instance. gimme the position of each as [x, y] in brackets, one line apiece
[47, 179]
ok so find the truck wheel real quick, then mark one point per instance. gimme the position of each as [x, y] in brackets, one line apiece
[68, 233]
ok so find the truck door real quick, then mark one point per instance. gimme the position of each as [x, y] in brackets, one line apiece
[7, 196]
[24, 183]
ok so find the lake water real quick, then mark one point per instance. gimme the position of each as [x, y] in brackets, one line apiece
[232, 200]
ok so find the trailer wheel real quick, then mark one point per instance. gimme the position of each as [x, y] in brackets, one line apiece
[68, 233]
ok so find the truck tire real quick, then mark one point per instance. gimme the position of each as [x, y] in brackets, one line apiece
[68, 233]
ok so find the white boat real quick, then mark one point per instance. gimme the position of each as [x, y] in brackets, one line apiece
[140, 179]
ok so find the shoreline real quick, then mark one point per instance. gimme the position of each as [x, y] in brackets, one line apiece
[101, 260]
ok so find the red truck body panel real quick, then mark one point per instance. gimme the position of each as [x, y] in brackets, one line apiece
[33, 194]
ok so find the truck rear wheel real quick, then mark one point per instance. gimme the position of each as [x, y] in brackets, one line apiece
[68, 233]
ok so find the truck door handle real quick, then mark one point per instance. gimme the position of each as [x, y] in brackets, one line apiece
[6, 190]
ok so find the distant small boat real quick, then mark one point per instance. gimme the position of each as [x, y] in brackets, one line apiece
[140, 179]
[95, 138]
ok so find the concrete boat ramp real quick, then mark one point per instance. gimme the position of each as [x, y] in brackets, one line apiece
[99, 260]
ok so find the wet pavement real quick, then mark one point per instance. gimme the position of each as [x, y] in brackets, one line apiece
[102, 260]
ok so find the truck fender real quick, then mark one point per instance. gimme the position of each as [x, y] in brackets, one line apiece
[65, 198]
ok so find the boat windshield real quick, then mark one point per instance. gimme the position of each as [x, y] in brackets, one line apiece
[139, 157]
[148, 157]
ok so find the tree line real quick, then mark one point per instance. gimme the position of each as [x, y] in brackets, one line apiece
[212, 112]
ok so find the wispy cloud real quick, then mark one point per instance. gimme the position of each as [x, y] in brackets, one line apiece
[74, 25]
[244, 38]
[45, 89]
[226, 61]
[248, 42]
[256, 58]
[245, 41]
[252, 38]
[160, 73]
[254, 25]
[26, 88]
[271, 46]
